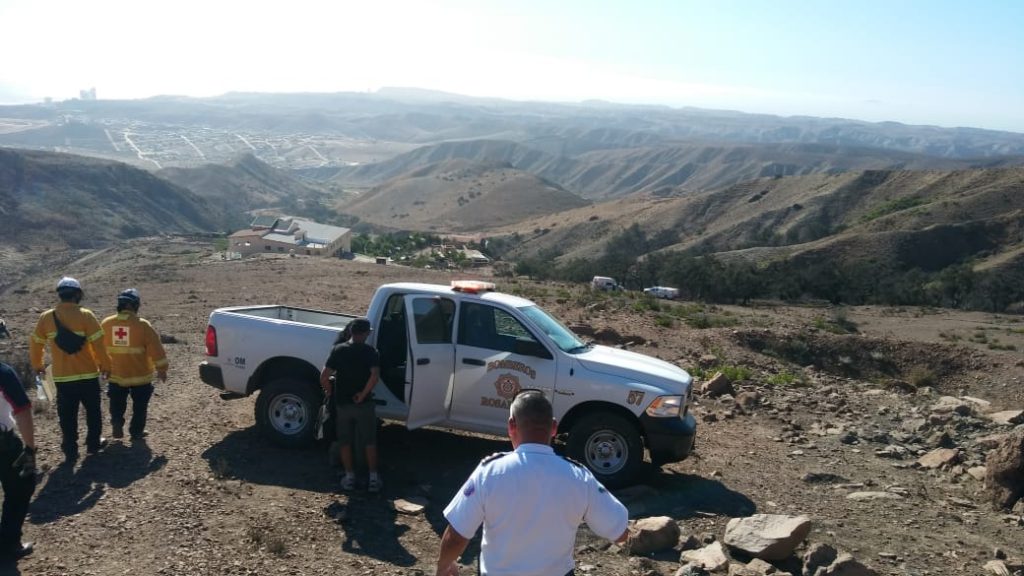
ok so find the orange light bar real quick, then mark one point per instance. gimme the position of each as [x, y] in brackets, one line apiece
[472, 286]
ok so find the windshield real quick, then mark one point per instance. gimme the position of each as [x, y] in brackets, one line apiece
[562, 336]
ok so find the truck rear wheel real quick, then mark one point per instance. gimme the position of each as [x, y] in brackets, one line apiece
[609, 445]
[286, 412]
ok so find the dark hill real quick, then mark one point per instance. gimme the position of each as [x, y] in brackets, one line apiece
[244, 184]
[64, 200]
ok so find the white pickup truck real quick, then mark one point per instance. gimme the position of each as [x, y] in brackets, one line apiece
[455, 357]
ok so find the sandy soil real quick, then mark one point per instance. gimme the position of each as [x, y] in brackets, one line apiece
[206, 495]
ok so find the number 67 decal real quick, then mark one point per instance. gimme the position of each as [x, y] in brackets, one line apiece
[635, 397]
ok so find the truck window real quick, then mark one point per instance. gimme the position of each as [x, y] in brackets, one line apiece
[433, 319]
[485, 326]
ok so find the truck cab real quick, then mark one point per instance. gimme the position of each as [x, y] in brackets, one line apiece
[456, 356]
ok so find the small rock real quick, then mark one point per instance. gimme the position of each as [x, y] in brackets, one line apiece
[1007, 417]
[761, 567]
[997, 567]
[691, 570]
[983, 405]
[818, 556]
[747, 401]
[718, 385]
[168, 339]
[976, 472]
[707, 360]
[653, 535]
[947, 404]
[846, 565]
[938, 458]
[711, 557]
[414, 505]
[867, 496]
[690, 543]
[767, 536]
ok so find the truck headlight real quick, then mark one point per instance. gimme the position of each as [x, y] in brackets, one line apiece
[665, 407]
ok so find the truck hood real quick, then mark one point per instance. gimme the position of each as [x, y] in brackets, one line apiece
[636, 368]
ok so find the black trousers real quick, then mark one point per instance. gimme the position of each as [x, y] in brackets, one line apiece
[119, 405]
[69, 396]
[17, 492]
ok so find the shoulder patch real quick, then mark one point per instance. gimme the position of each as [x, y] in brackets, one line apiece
[573, 462]
[493, 457]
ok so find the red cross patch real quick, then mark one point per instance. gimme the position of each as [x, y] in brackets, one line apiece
[121, 336]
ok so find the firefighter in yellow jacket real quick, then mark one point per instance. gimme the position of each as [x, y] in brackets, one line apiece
[78, 357]
[135, 353]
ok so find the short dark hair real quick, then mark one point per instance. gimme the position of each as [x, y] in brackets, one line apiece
[531, 411]
[359, 326]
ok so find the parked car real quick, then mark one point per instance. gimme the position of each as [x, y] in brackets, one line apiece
[455, 357]
[662, 292]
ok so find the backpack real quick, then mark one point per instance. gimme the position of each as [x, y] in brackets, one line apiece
[67, 340]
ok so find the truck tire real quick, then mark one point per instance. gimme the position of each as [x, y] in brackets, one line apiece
[286, 412]
[609, 445]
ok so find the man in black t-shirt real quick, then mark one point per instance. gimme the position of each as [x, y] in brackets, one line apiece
[356, 367]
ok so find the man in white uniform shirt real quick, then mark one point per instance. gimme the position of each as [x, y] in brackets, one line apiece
[530, 503]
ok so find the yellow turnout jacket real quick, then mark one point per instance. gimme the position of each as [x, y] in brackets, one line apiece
[87, 362]
[134, 348]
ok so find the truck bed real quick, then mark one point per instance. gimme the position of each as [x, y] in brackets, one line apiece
[298, 315]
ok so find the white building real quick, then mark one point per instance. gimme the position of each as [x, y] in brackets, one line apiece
[291, 236]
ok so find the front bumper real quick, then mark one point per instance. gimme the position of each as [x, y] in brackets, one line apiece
[669, 439]
[211, 375]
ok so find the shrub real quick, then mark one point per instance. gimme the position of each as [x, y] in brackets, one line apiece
[784, 378]
[922, 376]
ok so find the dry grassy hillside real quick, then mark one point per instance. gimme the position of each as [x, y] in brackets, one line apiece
[460, 195]
[915, 218]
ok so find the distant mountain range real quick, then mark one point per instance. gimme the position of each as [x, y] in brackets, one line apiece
[555, 182]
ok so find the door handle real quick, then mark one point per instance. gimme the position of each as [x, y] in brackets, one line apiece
[422, 361]
[473, 362]
[565, 392]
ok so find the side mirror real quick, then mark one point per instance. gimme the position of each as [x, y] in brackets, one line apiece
[532, 348]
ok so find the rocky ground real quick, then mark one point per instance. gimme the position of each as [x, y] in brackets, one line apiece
[872, 423]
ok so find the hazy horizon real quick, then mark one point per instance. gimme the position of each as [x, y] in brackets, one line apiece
[939, 63]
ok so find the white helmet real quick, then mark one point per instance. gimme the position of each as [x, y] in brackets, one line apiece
[68, 283]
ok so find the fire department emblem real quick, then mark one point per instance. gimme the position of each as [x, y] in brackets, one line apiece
[507, 386]
[120, 335]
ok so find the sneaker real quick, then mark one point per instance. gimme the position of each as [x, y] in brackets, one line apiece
[374, 486]
[118, 430]
[18, 552]
[97, 448]
[348, 483]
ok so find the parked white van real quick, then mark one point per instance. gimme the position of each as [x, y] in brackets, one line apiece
[604, 283]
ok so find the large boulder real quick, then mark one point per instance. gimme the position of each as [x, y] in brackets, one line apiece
[767, 536]
[653, 535]
[1004, 471]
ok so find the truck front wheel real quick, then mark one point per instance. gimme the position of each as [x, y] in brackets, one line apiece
[609, 445]
[286, 412]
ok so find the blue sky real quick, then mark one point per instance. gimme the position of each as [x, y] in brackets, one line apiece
[936, 62]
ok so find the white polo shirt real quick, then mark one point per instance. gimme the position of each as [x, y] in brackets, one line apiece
[531, 503]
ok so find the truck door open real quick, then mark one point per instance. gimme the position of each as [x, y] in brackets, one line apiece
[428, 392]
